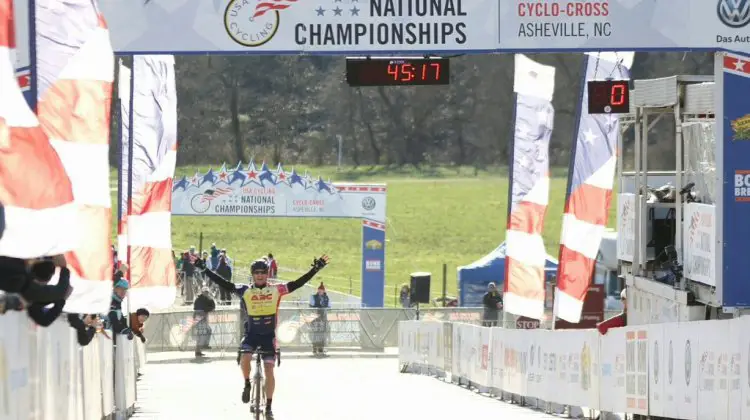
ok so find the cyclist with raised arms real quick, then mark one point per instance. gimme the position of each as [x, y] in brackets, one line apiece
[262, 304]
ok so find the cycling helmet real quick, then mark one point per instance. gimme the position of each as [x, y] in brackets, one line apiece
[259, 265]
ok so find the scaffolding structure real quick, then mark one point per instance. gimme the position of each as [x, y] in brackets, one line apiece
[689, 100]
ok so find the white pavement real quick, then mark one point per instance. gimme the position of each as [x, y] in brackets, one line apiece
[312, 389]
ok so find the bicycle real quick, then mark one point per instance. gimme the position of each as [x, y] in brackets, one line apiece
[258, 383]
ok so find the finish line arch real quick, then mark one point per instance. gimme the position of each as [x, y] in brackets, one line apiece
[258, 191]
[445, 27]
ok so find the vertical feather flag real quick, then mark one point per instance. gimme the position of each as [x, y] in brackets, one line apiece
[34, 187]
[526, 257]
[74, 74]
[150, 170]
[590, 181]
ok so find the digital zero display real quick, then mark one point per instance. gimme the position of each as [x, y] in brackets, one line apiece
[397, 71]
[609, 97]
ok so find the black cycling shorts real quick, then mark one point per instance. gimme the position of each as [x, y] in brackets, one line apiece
[266, 343]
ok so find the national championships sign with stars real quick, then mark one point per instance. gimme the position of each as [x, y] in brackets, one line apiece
[263, 192]
[424, 26]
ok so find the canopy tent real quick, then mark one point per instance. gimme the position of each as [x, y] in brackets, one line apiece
[474, 278]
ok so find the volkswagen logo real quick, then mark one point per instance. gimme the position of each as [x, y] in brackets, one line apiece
[734, 13]
[368, 203]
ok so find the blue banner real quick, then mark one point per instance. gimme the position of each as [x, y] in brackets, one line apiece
[373, 264]
[735, 268]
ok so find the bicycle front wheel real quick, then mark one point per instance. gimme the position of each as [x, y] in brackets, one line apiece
[259, 405]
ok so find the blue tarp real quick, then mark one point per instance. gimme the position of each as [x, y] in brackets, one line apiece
[474, 278]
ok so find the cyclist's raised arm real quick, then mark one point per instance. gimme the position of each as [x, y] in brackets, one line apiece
[317, 265]
[220, 281]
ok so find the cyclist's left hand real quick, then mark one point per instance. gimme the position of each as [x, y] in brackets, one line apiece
[321, 262]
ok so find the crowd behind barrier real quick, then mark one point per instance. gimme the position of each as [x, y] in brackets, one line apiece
[46, 375]
[367, 329]
[690, 370]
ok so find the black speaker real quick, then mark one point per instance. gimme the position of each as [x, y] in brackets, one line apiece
[420, 287]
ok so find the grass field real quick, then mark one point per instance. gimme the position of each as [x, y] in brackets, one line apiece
[434, 217]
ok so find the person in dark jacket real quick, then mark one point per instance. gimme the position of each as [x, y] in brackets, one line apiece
[136, 322]
[493, 303]
[224, 270]
[29, 278]
[116, 319]
[319, 326]
[214, 256]
[204, 304]
[85, 326]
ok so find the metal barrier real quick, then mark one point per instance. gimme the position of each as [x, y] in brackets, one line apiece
[366, 329]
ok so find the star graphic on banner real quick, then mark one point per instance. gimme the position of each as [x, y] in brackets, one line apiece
[320, 11]
[739, 65]
[237, 173]
[337, 11]
[294, 178]
[589, 136]
[266, 175]
[251, 175]
[223, 175]
[322, 186]
[355, 11]
[209, 177]
[281, 176]
[196, 180]
[182, 183]
[308, 181]
[525, 162]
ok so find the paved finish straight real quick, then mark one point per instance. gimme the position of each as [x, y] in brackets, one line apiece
[312, 389]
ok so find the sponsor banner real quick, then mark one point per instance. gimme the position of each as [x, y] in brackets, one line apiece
[373, 264]
[699, 236]
[414, 26]
[262, 192]
[734, 77]
[626, 226]
[636, 371]
[612, 354]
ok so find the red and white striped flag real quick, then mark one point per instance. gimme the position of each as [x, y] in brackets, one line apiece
[526, 257]
[34, 188]
[590, 192]
[147, 225]
[75, 69]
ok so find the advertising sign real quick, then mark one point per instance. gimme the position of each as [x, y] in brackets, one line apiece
[410, 26]
[263, 192]
[625, 226]
[373, 264]
[699, 233]
[734, 189]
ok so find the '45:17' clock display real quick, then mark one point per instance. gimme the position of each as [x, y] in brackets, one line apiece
[397, 71]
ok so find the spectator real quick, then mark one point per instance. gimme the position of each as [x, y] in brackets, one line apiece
[273, 267]
[223, 252]
[11, 302]
[319, 326]
[136, 322]
[214, 256]
[224, 270]
[206, 260]
[192, 253]
[85, 326]
[204, 304]
[41, 312]
[188, 270]
[492, 303]
[29, 278]
[405, 296]
[117, 321]
[617, 321]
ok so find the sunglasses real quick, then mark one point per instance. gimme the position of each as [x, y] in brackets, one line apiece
[260, 272]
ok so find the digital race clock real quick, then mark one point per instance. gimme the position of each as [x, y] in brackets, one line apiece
[397, 71]
[609, 97]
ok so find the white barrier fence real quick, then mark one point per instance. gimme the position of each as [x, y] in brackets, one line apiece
[693, 370]
[46, 375]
